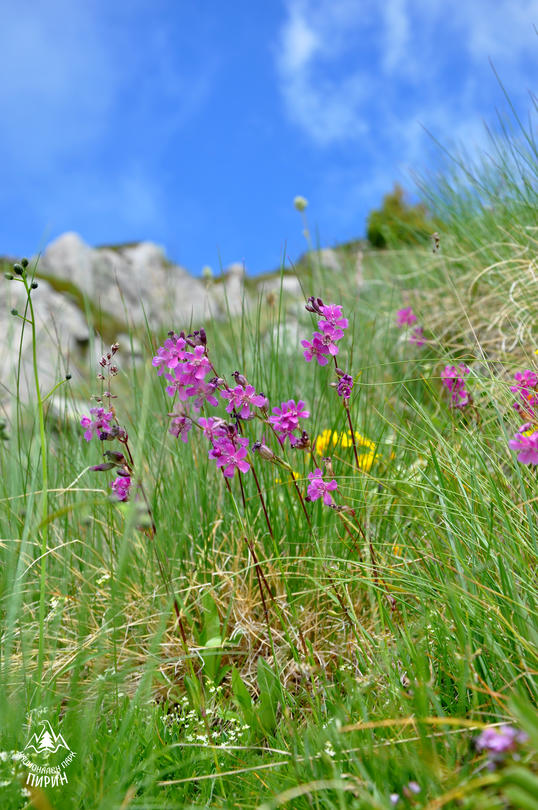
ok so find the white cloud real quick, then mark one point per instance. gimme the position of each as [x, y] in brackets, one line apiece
[397, 24]
[341, 64]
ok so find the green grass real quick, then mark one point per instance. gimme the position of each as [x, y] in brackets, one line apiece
[372, 672]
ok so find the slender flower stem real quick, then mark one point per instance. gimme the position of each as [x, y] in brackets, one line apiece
[45, 495]
[302, 500]
[262, 502]
[348, 414]
[242, 488]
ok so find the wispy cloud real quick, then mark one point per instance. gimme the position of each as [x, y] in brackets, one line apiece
[347, 69]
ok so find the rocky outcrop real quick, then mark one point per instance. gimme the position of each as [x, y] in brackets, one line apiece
[133, 283]
[62, 334]
[121, 289]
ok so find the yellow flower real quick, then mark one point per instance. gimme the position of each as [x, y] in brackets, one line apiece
[295, 475]
[328, 437]
[366, 460]
[397, 550]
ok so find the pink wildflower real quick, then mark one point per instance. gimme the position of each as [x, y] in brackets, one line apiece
[332, 326]
[454, 380]
[345, 384]
[525, 388]
[99, 425]
[169, 355]
[498, 742]
[213, 427]
[241, 399]
[317, 348]
[285, 419]
[405, 317]
[318, 488]
[196, 365]
[230, 455]
[417, 336]
[120, 487]
[525, 446]
[203, 392]
[180, 427]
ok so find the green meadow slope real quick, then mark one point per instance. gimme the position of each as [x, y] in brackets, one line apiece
[221, 642]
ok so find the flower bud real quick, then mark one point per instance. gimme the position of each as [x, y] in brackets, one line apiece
[265, 452]
[240, 379]
[68, 376]
[24, 263]
[313, 305]
[18, 269]
[102, 467]
[9, 276]
[115, 456]
[300, 203]
[34, 285]
[14, 312]
[304, 442]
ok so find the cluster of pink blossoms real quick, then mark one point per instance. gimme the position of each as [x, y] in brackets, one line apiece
[318, 488]
[97, 424]
[525, 389]
[324, 344]
[525, 443]
[184, 362]
[285, 420]
[121, 486]
[498, 742]
[242, 398]
[453, 378]
[228, 449]
[406, 317]
[186, 370]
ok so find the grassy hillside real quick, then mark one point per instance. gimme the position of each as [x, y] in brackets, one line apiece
[221, 642]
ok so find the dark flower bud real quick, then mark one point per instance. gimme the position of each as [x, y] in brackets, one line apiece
[24, 263]
[9, 276]
[240, 379]
[102, 467]
[115, 432]
[34, 285]
[171, 333]
[115, 456]
[304, 442]
[264, 451]
[68, 376]
[14, 312]
[198, 338]
[115, 347]
[124, 473]
[18, 269]
[313, 305]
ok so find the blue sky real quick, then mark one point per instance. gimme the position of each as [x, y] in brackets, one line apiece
[194, 123]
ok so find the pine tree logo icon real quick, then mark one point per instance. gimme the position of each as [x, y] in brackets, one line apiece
[46, 741]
